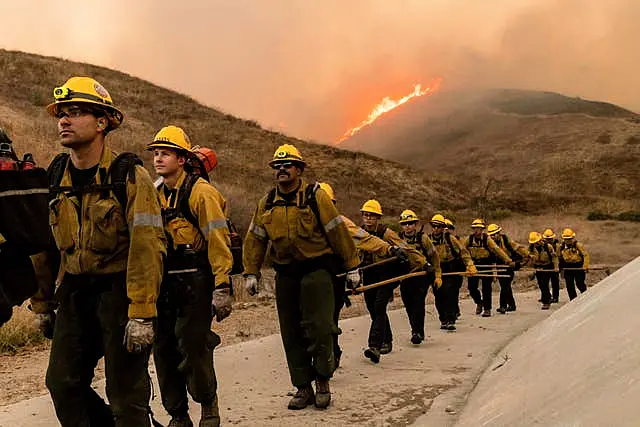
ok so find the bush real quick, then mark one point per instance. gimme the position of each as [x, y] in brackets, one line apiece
[499, 214]
[598, 216]
[19, 332]
[629, 216]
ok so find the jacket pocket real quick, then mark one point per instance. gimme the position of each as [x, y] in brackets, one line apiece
[103, 225]
[63, 220]
[276, 224]
[306, 222]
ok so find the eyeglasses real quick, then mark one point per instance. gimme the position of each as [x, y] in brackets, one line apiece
[437, 225]
[5, 146]
[409, 223]
[286, 165]
[369, 215]
[73, 112]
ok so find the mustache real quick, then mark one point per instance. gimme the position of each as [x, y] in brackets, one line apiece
[282, 172]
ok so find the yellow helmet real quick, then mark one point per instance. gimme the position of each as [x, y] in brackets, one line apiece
[449, 224]
[287, 152]
[86, 90]
[171, 137]
[438, 219]
[548, 234]
[372, 206]
[493, 229]
[534, 237]
[568, 233]
[408, 215]
[327, 189]
[478, 223]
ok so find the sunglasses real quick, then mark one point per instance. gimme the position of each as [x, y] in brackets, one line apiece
[410, 223]
[5, 146]
[74, 112]
[285, 165]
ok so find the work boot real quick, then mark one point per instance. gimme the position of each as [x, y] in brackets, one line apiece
[303, 398]
[451, 326]
[486, 313]
[417, 338]
[511, 308]
[478, 308]
[501, 310]
[210, 414]
[554, 300]
[373, 354]
[443, 326]
[182, 420]
[546, 306]
[323, 394]
[386, 348]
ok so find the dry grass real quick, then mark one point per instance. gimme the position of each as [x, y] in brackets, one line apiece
[19, 332]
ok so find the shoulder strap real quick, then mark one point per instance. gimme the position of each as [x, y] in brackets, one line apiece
[380, 230]
[454, 250]
[55, 172]
[271, 196]
[183, 200]
[123, 168]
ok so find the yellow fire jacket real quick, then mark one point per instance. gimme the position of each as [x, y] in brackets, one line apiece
[508, 245]
[295, 234]
[416, 259]
[543, 255]
[210, 209]
[483, 247]
[448, 253]
[365, 241]
[95, 236]
[421, 242]
[574, 254]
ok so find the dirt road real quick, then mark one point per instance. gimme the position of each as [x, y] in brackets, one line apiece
[412, 385]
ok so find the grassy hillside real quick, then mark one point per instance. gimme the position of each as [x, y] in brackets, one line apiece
[534, 151]
[243, 147]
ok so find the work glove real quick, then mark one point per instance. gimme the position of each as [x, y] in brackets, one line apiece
[512, 264]
[138, 335]
[472, 270]
[438, 282]
[45, 322]
[222, 303]
[251, 284]
[353, 279]
[399, 253]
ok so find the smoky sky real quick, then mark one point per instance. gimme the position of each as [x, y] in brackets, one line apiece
[313, 69]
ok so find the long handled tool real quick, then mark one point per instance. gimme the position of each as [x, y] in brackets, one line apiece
[411, 275]
[375, 264]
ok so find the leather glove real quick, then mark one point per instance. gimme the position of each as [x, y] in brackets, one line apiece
[138, 334]
[222, 303]
[45, 322]
[399, 253]
[472, 270]
[438, 282]
[353, 279]
[251, 284]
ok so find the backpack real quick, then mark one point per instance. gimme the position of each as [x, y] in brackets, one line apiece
[545, 247]
[515, 256]
[122, 167]
[564, 246]
[184, 211]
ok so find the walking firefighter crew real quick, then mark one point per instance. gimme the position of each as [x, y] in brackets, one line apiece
[550, 237]
[545, 260]
[106, 221]
[196, 284]
[305, 231]
[483, 251]
[574, 262]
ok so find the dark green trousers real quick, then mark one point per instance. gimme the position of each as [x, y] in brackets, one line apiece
[183, 352]
[90, 325]
[305, 310]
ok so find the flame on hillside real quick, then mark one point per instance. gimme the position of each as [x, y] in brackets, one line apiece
[387, 104]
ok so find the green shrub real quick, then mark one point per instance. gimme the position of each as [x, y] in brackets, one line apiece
[598, 216]
[629, 216]
[19, 332]
[499, 214]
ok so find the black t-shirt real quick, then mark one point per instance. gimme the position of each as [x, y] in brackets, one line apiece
[290, 196]
[82, 177]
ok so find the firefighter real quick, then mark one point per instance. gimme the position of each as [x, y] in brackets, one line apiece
[364, 242]
[414, 290]
[518, 253]
[450, 229]
[110, 235]
[574, 261]
[550, 237]
[308, 236]
[380, 339]
[196, 282]
[454, 258]
[483, 251]
[545, 260]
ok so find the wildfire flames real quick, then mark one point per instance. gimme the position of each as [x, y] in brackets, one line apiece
[388, 104]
